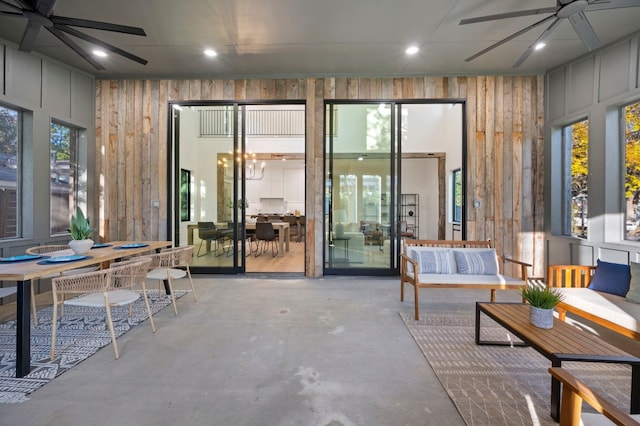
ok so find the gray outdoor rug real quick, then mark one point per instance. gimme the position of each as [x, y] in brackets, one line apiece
[501, 385]
[81, 333]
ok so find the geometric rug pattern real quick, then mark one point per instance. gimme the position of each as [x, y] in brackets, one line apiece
[82, 331]
[501, 385]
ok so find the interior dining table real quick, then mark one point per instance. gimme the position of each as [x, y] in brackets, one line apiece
[283, 231]
[24, 271]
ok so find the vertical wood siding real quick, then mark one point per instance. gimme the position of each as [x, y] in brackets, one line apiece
[504, 150]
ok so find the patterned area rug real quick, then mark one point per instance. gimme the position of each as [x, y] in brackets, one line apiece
[501, 385]
[81, 333]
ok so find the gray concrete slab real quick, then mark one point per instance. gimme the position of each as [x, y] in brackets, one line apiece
[331, 351]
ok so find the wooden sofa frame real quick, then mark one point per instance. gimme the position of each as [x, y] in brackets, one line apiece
[414, 281]
[574, 392]
[579, 276]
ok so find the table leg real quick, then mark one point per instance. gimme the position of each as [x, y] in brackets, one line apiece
[281, 237]
[555, 392]
[477, 324]
[287, 236]
[635, 388]
[23, 330]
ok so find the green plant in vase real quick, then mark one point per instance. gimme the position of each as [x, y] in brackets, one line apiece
[81, 232]
[542, 300]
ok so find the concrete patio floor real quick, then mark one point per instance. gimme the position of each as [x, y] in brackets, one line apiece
[259, 351]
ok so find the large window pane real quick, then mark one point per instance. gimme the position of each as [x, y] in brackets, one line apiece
[632, 170]
[576, 143]
[10, 139]
[64, 145]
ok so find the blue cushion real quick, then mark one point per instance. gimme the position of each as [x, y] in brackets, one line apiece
[612, 278]
[476, 261]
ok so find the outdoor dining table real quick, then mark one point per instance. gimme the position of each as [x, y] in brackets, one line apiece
[23, 272]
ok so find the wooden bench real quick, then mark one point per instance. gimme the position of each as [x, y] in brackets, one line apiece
[411, 273]
[574, 392]
[607, 310]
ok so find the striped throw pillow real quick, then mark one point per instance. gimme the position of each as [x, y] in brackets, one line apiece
[476, 262]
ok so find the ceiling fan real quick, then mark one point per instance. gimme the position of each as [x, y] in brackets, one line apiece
[573, 10]
[39, 14]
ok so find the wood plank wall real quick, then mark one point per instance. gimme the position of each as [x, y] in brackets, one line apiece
[505, 118]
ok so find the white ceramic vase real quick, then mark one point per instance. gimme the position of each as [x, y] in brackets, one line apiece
[81, 246]
[541, 318]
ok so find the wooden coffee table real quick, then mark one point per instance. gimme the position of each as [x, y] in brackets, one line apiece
[561, 343]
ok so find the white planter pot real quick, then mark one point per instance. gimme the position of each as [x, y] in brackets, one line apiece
[81, 246]
[541, 318]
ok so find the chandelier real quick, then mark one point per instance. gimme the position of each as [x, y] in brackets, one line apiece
[252, 172]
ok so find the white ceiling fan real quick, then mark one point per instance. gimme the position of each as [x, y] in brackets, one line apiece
[573, 10]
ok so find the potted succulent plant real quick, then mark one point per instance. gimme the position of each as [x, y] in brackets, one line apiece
[81, 232]
[542, 300]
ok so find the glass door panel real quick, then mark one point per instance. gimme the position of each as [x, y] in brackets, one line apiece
[359, 195]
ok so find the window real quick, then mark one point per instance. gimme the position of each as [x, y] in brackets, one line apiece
[10, 149]
[457, 196]
[631, 116]
[64, 175]
[576, 194]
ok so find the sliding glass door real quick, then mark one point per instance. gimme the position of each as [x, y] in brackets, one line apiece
[234, 164]
[391, 173]
[360, 188]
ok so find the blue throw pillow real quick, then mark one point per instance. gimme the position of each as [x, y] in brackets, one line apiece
[611, 278]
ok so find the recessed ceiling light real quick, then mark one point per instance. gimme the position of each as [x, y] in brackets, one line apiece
[412, 50]
[540, 45]
[210, 52]
[100, 53]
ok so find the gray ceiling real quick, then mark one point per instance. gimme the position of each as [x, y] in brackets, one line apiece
[280, 38]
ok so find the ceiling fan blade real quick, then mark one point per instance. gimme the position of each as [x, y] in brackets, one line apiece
[611, 4]
[532, 47]
[66, 40]
[101, 43]
[511, 37]
[29, 36]
[11, 6]
[104, 26]
[584, 29]
[11, 14]
[507, 15]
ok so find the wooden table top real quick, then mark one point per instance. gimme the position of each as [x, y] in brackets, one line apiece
[21, 271]
[562, 341]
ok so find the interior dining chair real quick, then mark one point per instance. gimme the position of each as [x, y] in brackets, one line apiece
[47, 249]
[294, 227]
[208, 234]
[171, 264]
[104, 288]
[266, 233]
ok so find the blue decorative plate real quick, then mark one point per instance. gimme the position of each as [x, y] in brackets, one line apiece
[70, 258]
[133, 245]
[100, 245]
[20, 258]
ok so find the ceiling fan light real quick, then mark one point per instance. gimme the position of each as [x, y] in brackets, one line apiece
[210, 53]
[412, 50]
[99, 53]
[540, 45]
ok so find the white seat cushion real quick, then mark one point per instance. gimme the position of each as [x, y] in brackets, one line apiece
[466, 279]
[96, 300]
[611, 307]
[595, 419]
[161, 273]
